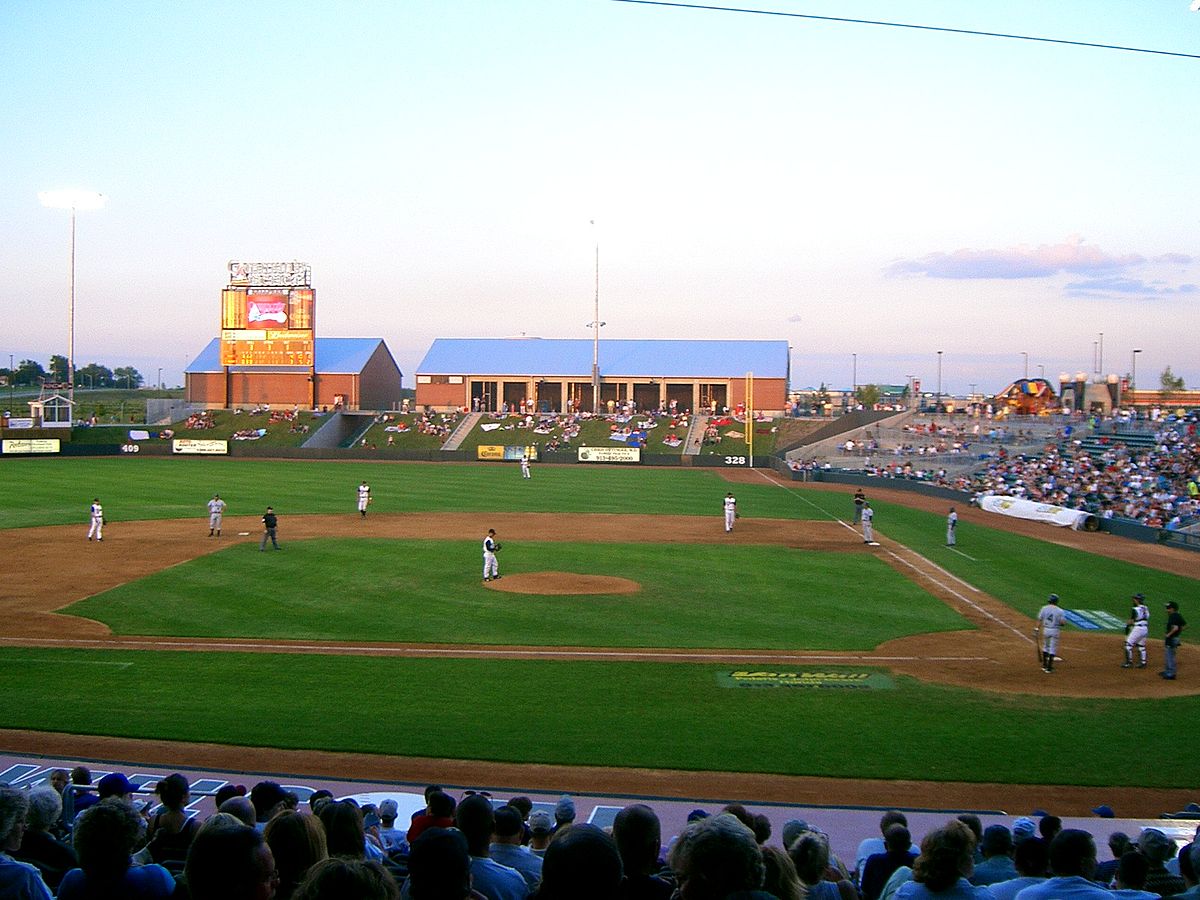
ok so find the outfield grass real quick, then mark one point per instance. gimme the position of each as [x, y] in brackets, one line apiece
[58, 491]
[658, 715]
[1019, 570]
[750, 597]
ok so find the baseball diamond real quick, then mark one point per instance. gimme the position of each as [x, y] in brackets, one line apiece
[582, 597]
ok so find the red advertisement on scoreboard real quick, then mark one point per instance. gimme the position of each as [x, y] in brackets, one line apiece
[266, 311]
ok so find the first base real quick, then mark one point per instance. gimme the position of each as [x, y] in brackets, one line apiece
[243, 534]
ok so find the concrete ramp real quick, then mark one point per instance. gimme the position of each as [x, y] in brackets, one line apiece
[459, 434]
[694, 441]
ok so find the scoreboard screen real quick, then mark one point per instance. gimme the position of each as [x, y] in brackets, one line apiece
[265, 326]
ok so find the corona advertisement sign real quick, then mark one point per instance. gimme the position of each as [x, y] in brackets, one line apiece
[267, 315]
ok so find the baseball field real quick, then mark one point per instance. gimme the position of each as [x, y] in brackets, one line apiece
[628, 633]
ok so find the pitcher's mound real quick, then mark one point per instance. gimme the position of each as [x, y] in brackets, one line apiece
[564, 583]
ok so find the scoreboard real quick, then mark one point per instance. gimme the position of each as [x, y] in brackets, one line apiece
[267, 315]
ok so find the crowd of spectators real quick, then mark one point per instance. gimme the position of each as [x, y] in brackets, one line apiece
[1155, 485]
[199, 421]
[266, 844]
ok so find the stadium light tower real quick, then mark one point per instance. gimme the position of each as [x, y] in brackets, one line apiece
[596, 325]
[938, 404]
[1133, 369]
[72, 200]
[1025, 353]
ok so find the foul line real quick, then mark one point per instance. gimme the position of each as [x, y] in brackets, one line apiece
[741, 656]
[928, 562]
[960, 553]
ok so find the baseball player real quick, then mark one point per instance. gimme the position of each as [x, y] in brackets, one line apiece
[270, 523]
[867, 515]
[364, 498]
[1136, 629]
[730, 511]
[491, 568]
[951, 528]
[97, 527]
[525, 466]
[1050, 622]
[216, 509]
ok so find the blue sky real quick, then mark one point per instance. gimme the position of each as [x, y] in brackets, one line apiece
[850, 189]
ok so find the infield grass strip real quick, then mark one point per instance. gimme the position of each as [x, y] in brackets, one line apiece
[59, 491]
[1022, 571]
[657, 715]
[692, 596]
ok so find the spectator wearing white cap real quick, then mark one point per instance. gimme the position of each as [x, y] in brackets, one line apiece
[541, 830]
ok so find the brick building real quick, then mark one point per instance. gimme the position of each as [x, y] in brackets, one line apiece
[553, 374]
[357, 373]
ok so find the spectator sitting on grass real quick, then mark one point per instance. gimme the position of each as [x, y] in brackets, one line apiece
[17, 879]
[104, 839]
[297, 843]
[476, 819]
[638, 834]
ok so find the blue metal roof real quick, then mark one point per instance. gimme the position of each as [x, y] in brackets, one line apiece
[334, 356]
[573, 358]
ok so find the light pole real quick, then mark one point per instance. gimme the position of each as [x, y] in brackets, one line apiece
[72, 200]
[938, 403]
[12, 376]
[1132, 369]
[1041, 372]
[596, 323]
[1100, 370]
[1025, 354]
[912, 390]
[159, 378]
[854, 377]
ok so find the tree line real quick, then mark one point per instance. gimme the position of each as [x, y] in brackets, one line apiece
[29, 373]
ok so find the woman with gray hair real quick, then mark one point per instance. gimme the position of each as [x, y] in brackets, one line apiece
[17, 879]
[40, 847]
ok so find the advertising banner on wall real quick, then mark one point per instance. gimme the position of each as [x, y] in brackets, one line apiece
[512, 454]
[39, 445]
[201, 447]
[610, 454]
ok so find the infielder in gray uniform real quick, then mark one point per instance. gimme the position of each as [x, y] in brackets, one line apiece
[951, 528]
[216, 509]
[1050, 622]
[868, 531]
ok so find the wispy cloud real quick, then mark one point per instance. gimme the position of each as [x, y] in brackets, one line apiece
[1129, 287]
[1023, 261]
